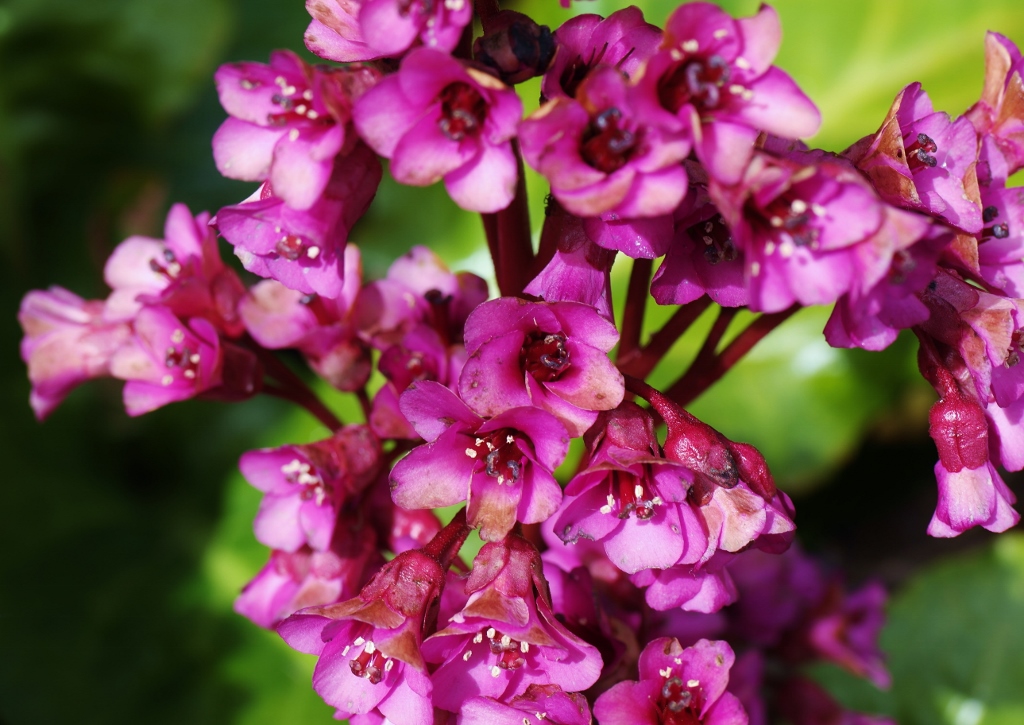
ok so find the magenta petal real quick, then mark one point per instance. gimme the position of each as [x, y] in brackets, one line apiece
[334, 682]
[425, 155]
[386, 28]
[302, 166]
[725, 149]
[762, 36]
[651, 544]
[243, 150]
[492, 381]
[487, 183]
[780, 107]
[433, 475]
[540, 498]
[432, 409]
[276, 523]
[592, 382]
[629, 703]
[383, 115]
[404, 705]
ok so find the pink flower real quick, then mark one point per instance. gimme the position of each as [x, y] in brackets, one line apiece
[502, 466]
[676, 685]
[712, 83]
[67, 341]
[303, 248]
[550, 355]
[437, 119]
[182, 272]
[600, 156]
[305, 486]
[288, 123]
[539, 705]
[996, 116]
[351, 30]
[506, 638]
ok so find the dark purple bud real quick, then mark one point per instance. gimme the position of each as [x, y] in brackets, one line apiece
[515, 47]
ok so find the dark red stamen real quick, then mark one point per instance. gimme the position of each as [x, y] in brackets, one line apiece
[680, 703]
[919, 153]
[606, 143]
[501, 458]
[463, 111]
[544, 356]
[698, 81]
[716, 238]
[369, 665]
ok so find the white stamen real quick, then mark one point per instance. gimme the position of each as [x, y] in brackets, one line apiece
[524, 647]
[638, 491]
[755, 269]
[307, 95]
[479, 441]
[786, 249]
[454, 5]
[799, 206]
[606, 509]
[720, 33]
[769, 247]
[818, 209]
[495, 671]
[312, 115]
[167, 379]
[478, 638]
[194, 358]
[359, 642]
[742, 63]
[301, 109]
[313, 252]
[693, 683]
[775, 221]
[293, 134]
[471, 452]
[510, 439]
[177, 337]
[736, 89]
[281, 81]
[490, 633]
[665, 672]
[345, 651]
[189, 374]
[465, 657]
[288, 90]
[505, 640]
[690, 46]
[370, 648]
[389, 665]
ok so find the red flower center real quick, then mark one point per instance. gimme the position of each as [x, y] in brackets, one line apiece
[463, 111]
[606, 143]
[698, 81]
[544, 356]
[919, 153]
[498, 455]
[680, 703]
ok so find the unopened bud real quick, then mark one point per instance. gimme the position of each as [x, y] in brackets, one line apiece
[515, 47]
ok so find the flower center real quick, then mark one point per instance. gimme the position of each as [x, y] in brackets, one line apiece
[511, 652]
[463, 111]
[628, 495]
[1016, 348]
[180, 357]
[680, 703]
[169, 267]
[919, 153]
[295, 104]
[499, 455]
[698, 81]
[370, 664]
[293, 247]
[300, 473]
[716, 236]
[544, 356]
[607, 145]
[791, 221]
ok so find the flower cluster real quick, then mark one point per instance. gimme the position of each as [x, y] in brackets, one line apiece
[665, 554]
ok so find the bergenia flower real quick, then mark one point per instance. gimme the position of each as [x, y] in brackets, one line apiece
[305, 486]
[623, 40]
[997, 115]
[182, 272]
[676, 685]
[369, 646]
[921, 159]
[600, 156]
[845, 630]
[303, 248]
[67, 341]
[167, 360]
[288, 123]
[353, 30]
[550, 355]
[1001, 241]
[539, 705]
[438, 119]
[506, 638]
[291, 581]
[810, 229]
[712, 83]
[503, 466]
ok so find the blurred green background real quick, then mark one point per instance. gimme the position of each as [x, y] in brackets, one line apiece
[124, 541]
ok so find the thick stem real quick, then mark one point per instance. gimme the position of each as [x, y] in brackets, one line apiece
[364, 403]
[512, 247]
[644, 361]
[445, 545]
[633, 314]
[486, 10]
[552, 231]
[700, 377]
[291, 386]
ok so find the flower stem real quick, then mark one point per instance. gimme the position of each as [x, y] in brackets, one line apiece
[508, 237]
[291, 387]
[312, 404]
[633, 314]
[445, 545]
[642, 362]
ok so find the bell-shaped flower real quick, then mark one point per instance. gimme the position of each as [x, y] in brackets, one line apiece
[291, 581]
[998, 115]
[1001, 241]
[438, 119]
[810, 229]
[503, 466]
[305, 486]
[288, 123]
[182, 272]
[921, 159]
[67, 341]
[712, 83]
[353, 30]
[369, 646]
[676, 685]
[623, 40]
[845, 630]
[303, 248]
[602, 157]
[539, 705]
[550, 355]
[506, 638]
